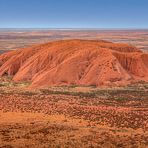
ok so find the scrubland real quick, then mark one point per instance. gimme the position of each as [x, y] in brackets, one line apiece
[73, 116]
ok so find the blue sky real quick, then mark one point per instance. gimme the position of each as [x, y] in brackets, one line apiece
[73, 13]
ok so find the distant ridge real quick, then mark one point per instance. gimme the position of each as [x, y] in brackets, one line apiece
[75, 29]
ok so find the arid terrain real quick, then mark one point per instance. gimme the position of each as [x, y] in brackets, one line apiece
[11, 39]
[73, 116]
[74, 93]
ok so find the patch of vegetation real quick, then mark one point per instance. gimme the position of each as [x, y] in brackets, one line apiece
[75, 86]
[6, 84]
[145, 86]
[80, 94]
[13, 84]
[2, 84]
[120, 99]
[28, 93]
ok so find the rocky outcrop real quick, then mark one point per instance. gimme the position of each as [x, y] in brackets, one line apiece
[81, 62]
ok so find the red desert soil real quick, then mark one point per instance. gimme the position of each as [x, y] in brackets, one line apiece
[81, 62]
[44, 120]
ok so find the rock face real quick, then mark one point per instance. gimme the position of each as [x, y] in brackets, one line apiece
[80, 62]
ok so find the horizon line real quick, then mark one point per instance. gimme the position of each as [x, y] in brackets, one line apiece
[76, 28]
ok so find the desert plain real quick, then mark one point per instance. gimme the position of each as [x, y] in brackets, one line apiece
[11, 39]
[72, 115]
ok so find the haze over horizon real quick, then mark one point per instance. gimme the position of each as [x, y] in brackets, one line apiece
[100, 14]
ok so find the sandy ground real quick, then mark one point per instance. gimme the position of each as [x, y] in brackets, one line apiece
[39, 130]
[109, 118]
[73, 116]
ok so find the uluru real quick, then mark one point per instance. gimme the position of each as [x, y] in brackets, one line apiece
[76, 62]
